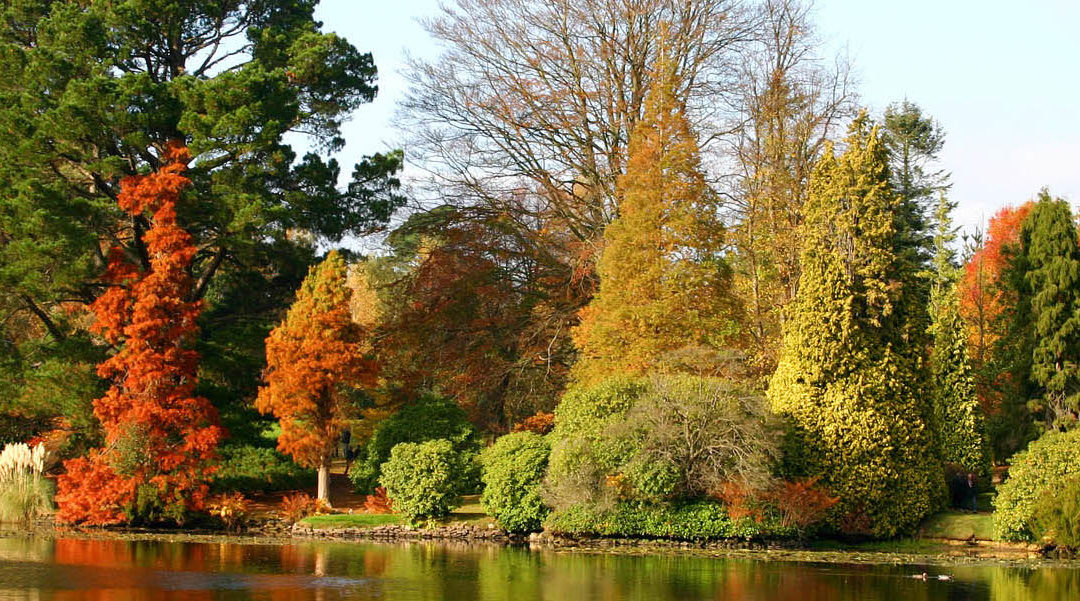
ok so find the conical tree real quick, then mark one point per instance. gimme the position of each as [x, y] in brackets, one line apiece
[957, 415]
[664, 284]
[161, 438]
[1049, 241]
[315, 358]
[848, 375]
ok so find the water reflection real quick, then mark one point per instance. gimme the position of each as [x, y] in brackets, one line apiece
[36, 569]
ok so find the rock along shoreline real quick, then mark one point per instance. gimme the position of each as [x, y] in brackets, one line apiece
[458, 535]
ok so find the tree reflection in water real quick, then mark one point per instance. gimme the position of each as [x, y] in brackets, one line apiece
[119, 570]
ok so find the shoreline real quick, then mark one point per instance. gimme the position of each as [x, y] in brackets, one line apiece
[896, 552]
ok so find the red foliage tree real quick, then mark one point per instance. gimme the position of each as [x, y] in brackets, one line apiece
[160, 438]
[314, 358]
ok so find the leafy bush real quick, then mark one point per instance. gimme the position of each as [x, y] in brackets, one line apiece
[298, 506]
[513, 472]
[801, 504]
[378, 502]
[1040, 471]
[424, 479]
[692, 521]
[1057, 517]
[258, 469]
[663, 438]
[583, 454]
[430, 418]
[233, 511]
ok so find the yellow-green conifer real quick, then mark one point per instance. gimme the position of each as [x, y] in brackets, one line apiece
[848, 376]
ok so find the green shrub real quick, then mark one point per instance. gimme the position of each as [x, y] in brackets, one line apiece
[1040, 471]
[583, 452]
[513, 471]
[258, 469]
[25, 496]
[666, 437]
[430, 418]
[424, 479]
[1057, 517]
[692, 521]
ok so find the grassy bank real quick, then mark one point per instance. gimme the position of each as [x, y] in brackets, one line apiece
[470, 513]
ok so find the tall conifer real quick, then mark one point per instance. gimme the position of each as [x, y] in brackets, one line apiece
[664, 283]
[849, 374]
[1049, 241]
[957, 417]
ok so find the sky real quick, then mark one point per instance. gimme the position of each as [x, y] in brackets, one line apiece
[1002, 78]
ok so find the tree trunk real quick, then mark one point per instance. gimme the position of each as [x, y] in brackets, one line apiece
[324, 482]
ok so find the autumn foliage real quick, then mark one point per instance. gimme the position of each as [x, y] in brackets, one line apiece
[983, 297]
[314, 359]
[664, 282]
[160, 438]
[378, 502]
[541, 423]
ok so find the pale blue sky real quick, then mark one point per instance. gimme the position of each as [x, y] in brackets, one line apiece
[1002, 77]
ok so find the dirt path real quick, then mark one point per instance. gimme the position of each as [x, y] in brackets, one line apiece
[342, 495]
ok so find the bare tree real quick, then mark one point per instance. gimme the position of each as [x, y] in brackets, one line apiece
[792, 100]
[530, 107]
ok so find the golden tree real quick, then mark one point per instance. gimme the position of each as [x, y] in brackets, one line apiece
[664, 284]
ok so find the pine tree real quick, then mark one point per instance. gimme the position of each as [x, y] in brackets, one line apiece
[848, 373]
[957, 417]
[1049, 241]
[314, 359]
[913, 141]
[664, 284]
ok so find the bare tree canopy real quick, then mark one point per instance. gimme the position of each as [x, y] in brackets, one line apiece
[530, 107]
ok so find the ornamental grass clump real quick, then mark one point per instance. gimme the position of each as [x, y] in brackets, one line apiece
[25, 493]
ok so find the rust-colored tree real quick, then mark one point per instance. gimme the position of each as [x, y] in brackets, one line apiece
[995, 311]
[160, 437]
[315, 358]
[664, 281]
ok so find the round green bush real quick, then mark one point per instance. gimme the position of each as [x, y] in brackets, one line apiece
[1041, 470]
[513, 471]
[431, 417]
[423, 479]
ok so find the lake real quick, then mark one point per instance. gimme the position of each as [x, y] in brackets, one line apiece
[118, 570]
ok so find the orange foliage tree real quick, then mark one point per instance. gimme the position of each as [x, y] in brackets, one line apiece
[315, 358]
[160, 437]
[664, 282]
[982, 294]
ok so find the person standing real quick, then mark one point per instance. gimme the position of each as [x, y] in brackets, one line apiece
[971, 491]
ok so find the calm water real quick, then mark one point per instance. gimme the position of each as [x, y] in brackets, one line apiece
[128, 570]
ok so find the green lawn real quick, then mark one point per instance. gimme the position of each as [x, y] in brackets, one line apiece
[959, 525]
[351, 520]
[470, 512]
